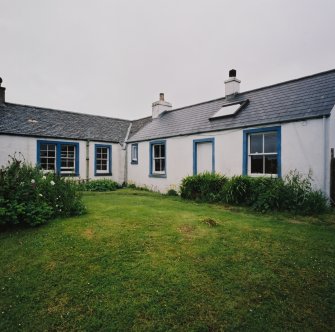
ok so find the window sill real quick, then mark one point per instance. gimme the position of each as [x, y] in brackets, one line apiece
[157, 175]
[258, 175]
[102, 174]
[134, 162]
[69, 175]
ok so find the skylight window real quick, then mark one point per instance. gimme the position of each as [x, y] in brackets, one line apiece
[228, 110]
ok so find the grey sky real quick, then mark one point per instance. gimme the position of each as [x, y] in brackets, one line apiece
[113, 57]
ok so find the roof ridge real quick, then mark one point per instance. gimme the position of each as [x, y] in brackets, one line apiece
[256, 89]
[64, 111]
[289, 81]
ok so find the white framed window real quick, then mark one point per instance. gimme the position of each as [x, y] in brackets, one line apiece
[103, 159]
[57, 156]
[262, 151]
[134, 153]
[67, 159]
[158, 158]
[47, 156]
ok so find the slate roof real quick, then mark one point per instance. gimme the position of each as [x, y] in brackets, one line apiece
[308, 97]
[44, 122]
[138, 124]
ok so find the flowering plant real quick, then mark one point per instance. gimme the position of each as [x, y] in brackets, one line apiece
[28, 196]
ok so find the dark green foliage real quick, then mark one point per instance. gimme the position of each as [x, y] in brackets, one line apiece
[30, 197]
[205, 187]
[172, 192]
[134, 186]
[237, 190]
[294, 193]
[99, 185]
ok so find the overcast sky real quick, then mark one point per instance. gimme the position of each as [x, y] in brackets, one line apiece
[114, 57]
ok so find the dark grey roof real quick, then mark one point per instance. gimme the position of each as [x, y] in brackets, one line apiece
[308, 97]
[43, 122]
[138, 124]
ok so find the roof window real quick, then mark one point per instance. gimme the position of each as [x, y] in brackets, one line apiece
[229, 110]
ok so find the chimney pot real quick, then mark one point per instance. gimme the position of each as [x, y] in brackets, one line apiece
[2, 93]
[232, 73]
[161, 96]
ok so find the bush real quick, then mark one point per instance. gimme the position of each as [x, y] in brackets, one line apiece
[172, 192]
[237, 190]
[99, 185]
[205, 187]
[294, 193]
[30, 197]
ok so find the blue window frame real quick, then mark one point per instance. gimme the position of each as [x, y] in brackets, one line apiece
[195, 153]
[134, 153]
[262, 151]
[102, 159]
[157, 158]
[58, 156]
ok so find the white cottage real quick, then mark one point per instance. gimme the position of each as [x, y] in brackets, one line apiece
[267, 131]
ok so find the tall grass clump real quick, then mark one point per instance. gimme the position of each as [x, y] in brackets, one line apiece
[30, 197]
[205, 187]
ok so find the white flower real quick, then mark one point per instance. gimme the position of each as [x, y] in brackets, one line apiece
[52, 183]
[44, 177]
[32, 181]
[40, 195]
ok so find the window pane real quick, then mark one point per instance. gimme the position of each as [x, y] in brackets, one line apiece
[256, 143]
[257, 164]
[157, 165]
[163, 150]
[271, 164]
[156, 151]
[135, 152]
[163, 165]
[270, 142]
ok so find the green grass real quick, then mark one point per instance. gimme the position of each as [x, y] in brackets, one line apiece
[139, 261]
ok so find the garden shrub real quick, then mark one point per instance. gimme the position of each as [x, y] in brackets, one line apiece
[203, 187]
[237, 190]
[30, 197]
[172, 192]
[99, 185]
[294, 193]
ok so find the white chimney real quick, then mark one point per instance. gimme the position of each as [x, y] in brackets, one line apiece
[160, 106]
[232, 85]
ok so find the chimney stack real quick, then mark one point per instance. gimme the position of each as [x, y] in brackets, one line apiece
[2, 93]
[232, 85]
[160, 106]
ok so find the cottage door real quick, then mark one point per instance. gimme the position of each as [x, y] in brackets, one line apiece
[204, 157]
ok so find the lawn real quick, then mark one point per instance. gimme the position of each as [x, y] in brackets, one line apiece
[139, 261]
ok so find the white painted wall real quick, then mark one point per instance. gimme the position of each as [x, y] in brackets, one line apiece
[27, 146]
[228, 159]
[301, 149]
